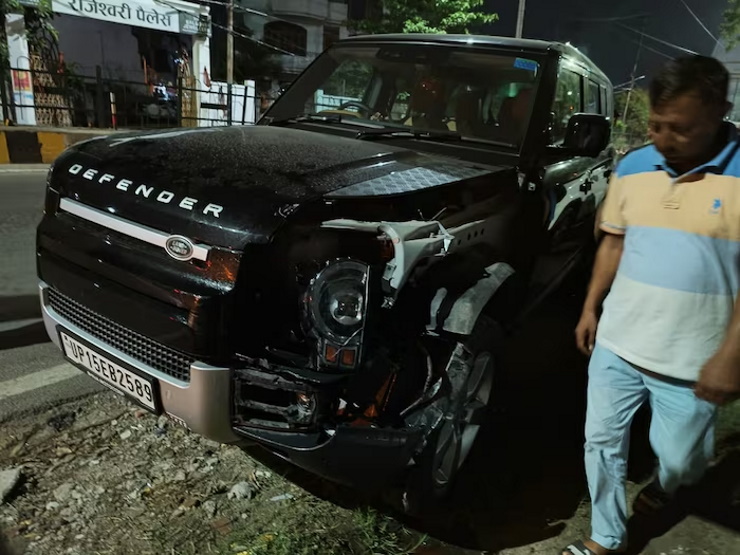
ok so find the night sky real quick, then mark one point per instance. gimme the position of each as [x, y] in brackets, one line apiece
[611, 47]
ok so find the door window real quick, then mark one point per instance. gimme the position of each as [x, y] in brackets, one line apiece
[568, 101]
[593, 99]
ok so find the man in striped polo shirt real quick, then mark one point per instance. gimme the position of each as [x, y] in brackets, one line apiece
[669, 331]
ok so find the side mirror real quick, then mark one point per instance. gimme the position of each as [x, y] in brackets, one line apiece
[587, 134]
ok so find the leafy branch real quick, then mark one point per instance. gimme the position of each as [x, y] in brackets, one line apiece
[39, 29]
[426, 16]
[730, 29]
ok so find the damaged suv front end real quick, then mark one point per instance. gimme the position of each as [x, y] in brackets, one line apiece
[374, 377]
[331, 284]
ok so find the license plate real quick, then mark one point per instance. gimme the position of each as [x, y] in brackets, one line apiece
[108, 372]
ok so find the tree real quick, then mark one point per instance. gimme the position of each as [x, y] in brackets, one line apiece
[40, 32]
[425, 16]
[730, 29]
[42, 41]
[633, 130]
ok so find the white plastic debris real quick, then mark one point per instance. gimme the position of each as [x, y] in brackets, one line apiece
[242, 490]
[283, 497]
[8, 480]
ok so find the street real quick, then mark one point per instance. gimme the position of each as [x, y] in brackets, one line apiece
[33, 374]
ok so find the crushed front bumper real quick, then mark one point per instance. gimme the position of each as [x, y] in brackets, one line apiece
[362, 457]
[358, 456]
[201, 404]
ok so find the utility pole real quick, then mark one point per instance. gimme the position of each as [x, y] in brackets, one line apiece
[229, 61]
[634, 71]
[520, 19]
[230, 45]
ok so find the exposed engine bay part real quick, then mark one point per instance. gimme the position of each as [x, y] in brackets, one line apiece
[467, 307]
[417, 241]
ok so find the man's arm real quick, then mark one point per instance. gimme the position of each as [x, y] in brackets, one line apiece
[605, 269]
[719, 380]
[611, 221]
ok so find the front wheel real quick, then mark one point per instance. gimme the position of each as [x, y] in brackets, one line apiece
[471, 368]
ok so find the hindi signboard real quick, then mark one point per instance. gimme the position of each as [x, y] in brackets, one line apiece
[163, 15]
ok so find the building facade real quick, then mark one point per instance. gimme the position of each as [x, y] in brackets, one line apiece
[137, 43]
[299, 30]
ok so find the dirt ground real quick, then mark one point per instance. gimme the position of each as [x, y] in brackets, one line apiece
[98, 476]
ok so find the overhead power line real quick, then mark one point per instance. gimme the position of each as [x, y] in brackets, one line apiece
[234, 33]
[653, 50]
[225, 4]
[699, 21]
[612, 19]
[646, 47]
[656, 39]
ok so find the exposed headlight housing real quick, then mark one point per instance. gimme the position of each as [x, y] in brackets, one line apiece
[336, 304]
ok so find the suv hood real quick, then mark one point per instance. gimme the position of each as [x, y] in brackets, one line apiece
[229, 186]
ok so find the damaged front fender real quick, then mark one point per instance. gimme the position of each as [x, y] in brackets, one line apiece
[468, 307]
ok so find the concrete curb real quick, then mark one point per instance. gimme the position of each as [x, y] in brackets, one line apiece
[33, 145]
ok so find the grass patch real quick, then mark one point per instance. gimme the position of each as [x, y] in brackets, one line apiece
[307, 526]
[728, 426]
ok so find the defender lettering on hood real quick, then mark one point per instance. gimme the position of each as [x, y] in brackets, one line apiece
[126, 185]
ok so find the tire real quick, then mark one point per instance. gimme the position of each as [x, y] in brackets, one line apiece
[448, 446]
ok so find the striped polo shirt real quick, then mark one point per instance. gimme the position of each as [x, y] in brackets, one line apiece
[674, 293]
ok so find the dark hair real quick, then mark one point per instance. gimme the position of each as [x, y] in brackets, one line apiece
[704, 76]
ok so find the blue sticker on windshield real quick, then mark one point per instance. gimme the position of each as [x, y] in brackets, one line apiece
[523, 63]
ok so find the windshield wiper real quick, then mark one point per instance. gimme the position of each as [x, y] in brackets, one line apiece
[409, 134]
[331, 118]
[326, 118]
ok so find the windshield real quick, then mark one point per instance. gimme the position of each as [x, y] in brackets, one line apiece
[480, 95]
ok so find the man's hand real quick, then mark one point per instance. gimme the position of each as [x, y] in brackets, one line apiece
[586, 332]
[719, 380]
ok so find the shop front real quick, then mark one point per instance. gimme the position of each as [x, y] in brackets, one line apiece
[146, 58]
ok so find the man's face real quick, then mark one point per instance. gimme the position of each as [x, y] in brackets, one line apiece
[684, 129]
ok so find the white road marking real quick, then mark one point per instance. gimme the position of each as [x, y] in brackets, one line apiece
[18, 324]
[29, 382]
[23, 170]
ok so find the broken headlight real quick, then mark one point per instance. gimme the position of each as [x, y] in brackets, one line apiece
[337, 299]
[336, 304]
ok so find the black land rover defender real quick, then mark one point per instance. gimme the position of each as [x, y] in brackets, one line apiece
[334, 283]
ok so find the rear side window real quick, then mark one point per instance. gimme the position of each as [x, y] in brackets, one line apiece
[568, 101]
[604, 102]
[593, 99]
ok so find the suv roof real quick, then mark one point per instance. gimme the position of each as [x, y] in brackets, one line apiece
[485, 40]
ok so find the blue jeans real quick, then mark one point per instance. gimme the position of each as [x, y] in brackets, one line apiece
[681, 435]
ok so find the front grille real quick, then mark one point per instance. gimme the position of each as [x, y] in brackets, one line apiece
[148, 352]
